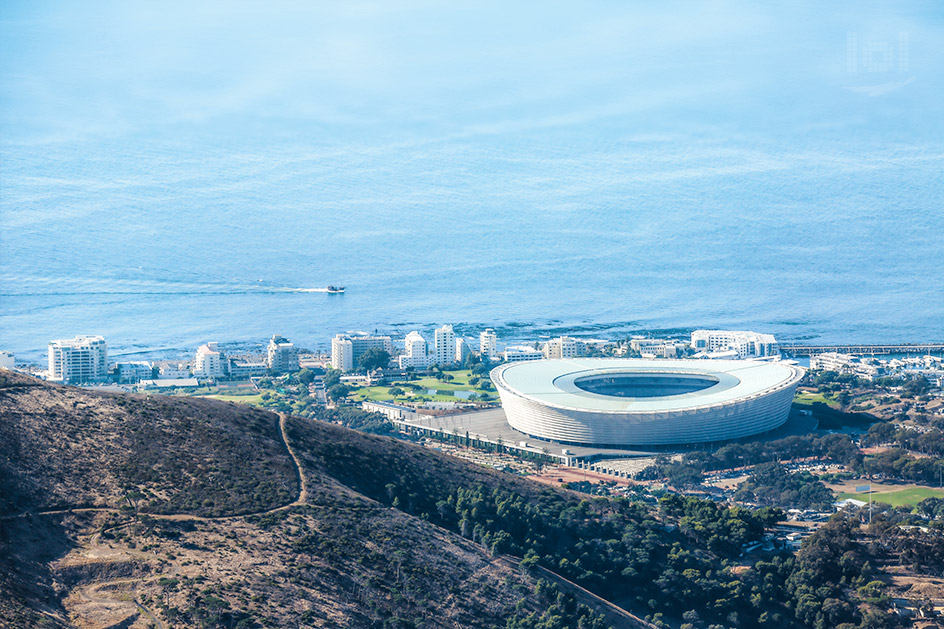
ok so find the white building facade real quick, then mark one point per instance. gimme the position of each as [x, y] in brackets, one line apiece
[655, 348]
[281, 355]
[346, 349]
[134, 371]
[846, 364]
[745, 344]
[79, 360]
[519, 353]
[415, 352]
[241, 368]
[342, 353]
[462, 351]
[445, 346]
[173, 371]
[563, 347]
[209, 362]
[488, 344]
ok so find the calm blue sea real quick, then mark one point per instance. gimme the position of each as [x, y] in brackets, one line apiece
[174, 173]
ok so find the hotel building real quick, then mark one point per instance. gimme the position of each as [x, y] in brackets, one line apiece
[282, 357]
[79, 360]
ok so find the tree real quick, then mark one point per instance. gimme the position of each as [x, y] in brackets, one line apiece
[332, 377]
[338, 392]
[374, 358]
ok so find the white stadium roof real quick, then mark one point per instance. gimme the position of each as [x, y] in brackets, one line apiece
[623, 401]
[551, 382]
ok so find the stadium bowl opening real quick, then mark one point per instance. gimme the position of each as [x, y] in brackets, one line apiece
[618, 402]
[643, 384]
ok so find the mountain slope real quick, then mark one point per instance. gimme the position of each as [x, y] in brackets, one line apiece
[127, 511]
[61, 446]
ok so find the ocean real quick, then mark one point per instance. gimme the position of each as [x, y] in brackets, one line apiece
[178, 174]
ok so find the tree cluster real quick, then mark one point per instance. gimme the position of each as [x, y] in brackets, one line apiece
[772, 484]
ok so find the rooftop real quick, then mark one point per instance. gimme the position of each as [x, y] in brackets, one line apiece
[556, 382]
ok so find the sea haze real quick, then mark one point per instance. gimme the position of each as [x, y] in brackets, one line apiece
[172, 174]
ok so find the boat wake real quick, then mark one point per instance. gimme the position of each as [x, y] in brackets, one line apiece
[37, 286]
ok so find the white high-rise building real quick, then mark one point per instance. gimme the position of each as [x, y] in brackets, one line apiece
[209, 362]
[488, 344]
[415, 352]
[462, 350]
[78, 360]
[282, 357]
[359, 343]
[342, 353]
[445, 346]
[745, 344]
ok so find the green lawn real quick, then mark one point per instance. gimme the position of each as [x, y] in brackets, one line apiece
[453, 385]
[808, 399]
[911, 496]
[445, 391]
[378, 394]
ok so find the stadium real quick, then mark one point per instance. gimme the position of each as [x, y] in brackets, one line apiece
[606, 402]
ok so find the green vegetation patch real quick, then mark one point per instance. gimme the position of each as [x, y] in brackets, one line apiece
[900, 498]
[380, 394]
[808, 399]
[433, 383]
[445, 391]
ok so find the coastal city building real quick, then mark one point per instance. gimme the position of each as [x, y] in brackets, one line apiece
[282, 357]
[654, 348]
[134, 371]
[415, 352]
[563, 347]
[833, 361]
[714, 343]
[83, 359]
[209, 362]
[242, 368]
[342, 353]
[346, 349]
[6, 360]
[173, 371]
[488, 344]
[847, 364]
[518, 353]
[931, 368]
[445, 343]
[462, 350]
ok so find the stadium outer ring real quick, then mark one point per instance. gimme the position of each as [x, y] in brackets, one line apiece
[540, 399]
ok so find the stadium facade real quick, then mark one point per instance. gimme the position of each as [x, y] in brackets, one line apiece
[612, 402]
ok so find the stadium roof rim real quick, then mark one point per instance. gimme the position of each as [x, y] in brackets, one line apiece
[551, 383]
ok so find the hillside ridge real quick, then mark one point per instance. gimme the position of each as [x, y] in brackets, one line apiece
[132, 551]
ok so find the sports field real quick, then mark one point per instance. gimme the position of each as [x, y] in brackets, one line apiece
[902, 497]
